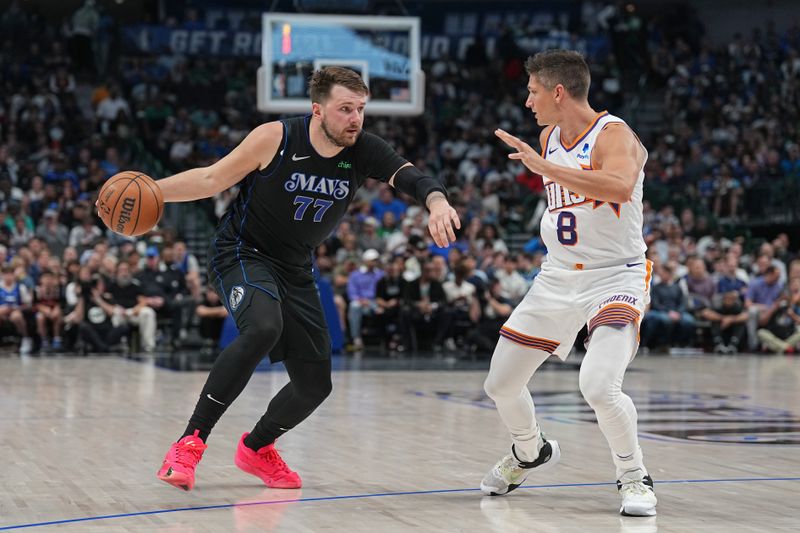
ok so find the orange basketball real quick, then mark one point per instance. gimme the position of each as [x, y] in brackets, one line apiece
[130, 203]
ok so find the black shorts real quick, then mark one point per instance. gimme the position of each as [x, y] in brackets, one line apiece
[240, 273]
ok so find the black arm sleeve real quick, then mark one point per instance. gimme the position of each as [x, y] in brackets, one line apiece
[411, 181]
[376, 158]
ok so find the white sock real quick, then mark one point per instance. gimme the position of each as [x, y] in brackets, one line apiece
[630, 467]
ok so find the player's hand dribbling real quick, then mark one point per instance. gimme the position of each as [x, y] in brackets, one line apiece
[441, 221]
[524, 152]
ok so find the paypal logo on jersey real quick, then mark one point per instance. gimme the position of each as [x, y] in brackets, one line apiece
[336, 188]
[584, 152]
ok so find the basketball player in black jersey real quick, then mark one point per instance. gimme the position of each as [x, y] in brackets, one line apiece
[300, 175]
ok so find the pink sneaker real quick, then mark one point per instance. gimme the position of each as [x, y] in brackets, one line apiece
[267, 465]
[181, 460]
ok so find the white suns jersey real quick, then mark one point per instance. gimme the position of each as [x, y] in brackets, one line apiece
[582, 231]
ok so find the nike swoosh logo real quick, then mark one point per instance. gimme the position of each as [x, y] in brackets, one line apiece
[553, 150]
[632, 264]
[214, 399]
[295, 158]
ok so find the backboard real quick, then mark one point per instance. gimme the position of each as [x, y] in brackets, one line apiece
[384, 50]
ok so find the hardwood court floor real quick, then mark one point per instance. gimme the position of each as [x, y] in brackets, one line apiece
[82, 438]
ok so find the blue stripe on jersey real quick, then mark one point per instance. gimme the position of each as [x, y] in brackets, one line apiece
[214, 262]
[244, 214]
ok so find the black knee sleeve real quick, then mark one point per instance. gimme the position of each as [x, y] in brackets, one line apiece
[311, 380]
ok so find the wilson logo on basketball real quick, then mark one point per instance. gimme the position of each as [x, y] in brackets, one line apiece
[130, 203]
[125, 215]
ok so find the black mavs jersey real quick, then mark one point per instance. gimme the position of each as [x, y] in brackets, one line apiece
[290, 207]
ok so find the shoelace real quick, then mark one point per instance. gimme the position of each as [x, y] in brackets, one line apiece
[508, 465]
[636, 487]
[271, 456]
[189, 455]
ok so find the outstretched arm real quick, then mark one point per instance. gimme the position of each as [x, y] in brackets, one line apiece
[254, 152]
[617, 157]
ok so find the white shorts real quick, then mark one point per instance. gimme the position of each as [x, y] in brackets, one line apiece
[561, 300]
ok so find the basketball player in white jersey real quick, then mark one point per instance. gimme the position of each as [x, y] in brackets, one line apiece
[595, 273]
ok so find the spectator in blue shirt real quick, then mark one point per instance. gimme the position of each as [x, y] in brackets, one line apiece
[60, 173]
[761, 297]
[361, 288]
[791, 163]
[534, 245]
[765, 289]
[727, 280]
[461, 245]
[668, 321]
[387, 202]
[110, 164]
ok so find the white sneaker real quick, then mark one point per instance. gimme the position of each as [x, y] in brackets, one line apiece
[638, 496]
[509, 473]
[25, 346]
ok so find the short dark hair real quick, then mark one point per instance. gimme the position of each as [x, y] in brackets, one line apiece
[462, 268]
[323, 80]
[567, 67]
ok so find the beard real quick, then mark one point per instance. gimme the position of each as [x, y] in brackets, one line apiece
[337, 140]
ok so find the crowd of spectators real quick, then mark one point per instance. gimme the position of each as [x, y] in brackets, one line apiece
[730, 120]
[729, 141]
[708, 293]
